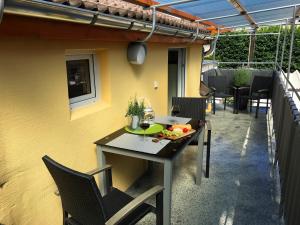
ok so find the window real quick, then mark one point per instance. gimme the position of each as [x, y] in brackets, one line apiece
[81, 79]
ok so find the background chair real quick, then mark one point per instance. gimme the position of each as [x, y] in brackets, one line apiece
[261, 88]
[83, 203]
[220, 89]
[195, 108]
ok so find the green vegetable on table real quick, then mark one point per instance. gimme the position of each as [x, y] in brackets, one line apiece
[169, 133]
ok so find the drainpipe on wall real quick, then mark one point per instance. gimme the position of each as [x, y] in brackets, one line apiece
[215, 45]
[153, 25]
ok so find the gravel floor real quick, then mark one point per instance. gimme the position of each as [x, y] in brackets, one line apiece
[243, 186]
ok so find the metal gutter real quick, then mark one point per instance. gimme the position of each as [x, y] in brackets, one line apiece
[154, 7]
[56, 11]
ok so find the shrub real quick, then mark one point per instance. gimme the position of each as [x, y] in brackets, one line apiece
[242, 77]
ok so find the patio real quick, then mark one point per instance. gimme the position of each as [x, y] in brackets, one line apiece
[243, 187]
[74, 72]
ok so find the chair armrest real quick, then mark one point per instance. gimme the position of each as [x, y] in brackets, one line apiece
[243, 88]
[262, 91]
[99, 170]
[213, 89]
[127, 209]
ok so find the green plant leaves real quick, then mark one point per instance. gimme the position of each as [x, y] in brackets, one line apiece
[135, 108]
[242, 77]
[235, 49]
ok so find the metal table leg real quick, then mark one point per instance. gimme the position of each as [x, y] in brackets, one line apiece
[168, 191]
[102, 178]
[200, 157]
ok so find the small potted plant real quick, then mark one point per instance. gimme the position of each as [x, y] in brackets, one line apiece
[242, 79]
[135, 110]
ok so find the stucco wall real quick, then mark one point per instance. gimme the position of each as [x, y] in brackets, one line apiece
[194, 59]
[35, 119]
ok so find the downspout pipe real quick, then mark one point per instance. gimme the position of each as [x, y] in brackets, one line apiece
[213, 46]
[197, 33]
[153, 25]
[1, 10]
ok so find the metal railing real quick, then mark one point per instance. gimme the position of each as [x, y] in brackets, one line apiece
[289, 87]
[243, 64]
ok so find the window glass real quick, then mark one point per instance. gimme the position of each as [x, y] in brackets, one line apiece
[81, 79]
[79, 82]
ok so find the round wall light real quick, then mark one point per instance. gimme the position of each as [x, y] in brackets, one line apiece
[136, 53]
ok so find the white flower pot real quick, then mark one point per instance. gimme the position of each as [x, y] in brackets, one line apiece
[134, 122]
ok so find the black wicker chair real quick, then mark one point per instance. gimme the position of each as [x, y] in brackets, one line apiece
[261, 88]
[220, 90]
[83, 203]
[195, 108]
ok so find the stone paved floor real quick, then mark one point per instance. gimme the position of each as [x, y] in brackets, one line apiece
[242, 188]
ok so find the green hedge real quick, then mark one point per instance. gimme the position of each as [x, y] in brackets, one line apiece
[236, 48]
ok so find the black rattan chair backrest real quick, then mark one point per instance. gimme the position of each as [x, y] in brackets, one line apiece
[219, 83]
[80, 196]
[191, 107]
[260, 83]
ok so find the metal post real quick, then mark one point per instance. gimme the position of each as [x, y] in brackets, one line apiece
[284, 43]
[251, 47]
[215, 45]
[247, 25]
[277, 47]
[1, 10]
[292, 44]
[249, 12]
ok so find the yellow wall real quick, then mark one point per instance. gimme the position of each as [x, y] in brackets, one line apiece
[194, 58]
[35, 119]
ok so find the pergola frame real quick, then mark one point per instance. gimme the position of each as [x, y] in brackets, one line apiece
[252, 23]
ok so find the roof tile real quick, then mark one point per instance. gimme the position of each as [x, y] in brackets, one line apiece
[130, 10]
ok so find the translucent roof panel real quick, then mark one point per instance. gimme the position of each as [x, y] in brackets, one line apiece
[215, 8]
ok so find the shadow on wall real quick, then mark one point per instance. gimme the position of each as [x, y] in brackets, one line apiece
[138, 70]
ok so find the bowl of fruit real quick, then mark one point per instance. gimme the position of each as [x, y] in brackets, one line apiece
[177, 131]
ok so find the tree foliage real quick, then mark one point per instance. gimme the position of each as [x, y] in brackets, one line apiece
[235, 48]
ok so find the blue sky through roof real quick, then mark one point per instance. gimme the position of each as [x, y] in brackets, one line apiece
[215, 8]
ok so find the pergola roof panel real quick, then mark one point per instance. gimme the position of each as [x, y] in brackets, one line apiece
[207, 9]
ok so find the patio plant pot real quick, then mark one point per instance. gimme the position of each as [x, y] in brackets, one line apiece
[134, 122]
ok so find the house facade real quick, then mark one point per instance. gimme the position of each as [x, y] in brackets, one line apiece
[37, 117]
